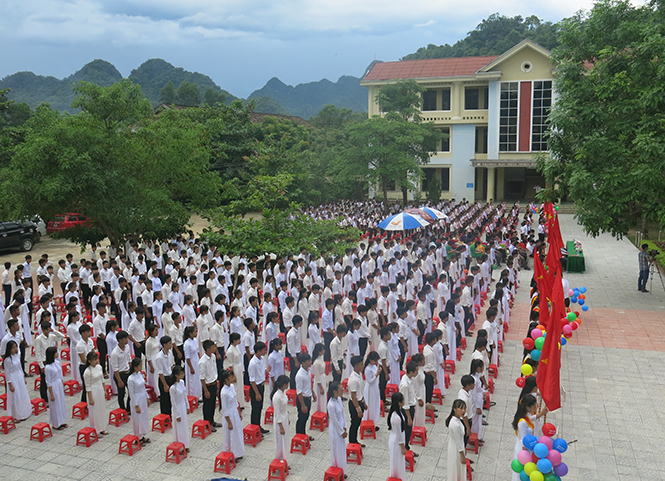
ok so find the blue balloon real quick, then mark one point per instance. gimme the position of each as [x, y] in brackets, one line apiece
[535, 355]
[563, 341]
[541, 450]
[573, 300]
[576, 291]
[585, 308]
[581, 301]
[544, 466]
[583, 290]
[524, 477]
[559, 444]
[529, 441]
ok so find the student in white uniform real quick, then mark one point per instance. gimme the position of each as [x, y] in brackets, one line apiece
[337, 427]
[523, 425]
[232, 435]
[397, 424]
[281, 416]
[93, 377]
[139, 402]
[18, 398]
[191, 352]
[477, 367]
[234, 360]
[179, 406]
[57, 408]
[320, 378]
[456, 466]
[372, 394]
[275, 362]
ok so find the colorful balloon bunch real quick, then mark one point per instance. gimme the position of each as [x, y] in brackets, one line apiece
[540, 460]
[578, 296]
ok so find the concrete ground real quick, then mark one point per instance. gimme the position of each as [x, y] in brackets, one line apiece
[610, 372]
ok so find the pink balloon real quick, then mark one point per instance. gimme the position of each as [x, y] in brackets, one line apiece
[554, 457]
[524, 456]
[547, 441]
[536, 333]
[567, 329]
[571, 292]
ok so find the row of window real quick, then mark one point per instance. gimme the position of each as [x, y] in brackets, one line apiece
[480, 142]
[475, 98]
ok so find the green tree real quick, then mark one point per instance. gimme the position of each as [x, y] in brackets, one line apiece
[404, 98]
[167, 93]
[266, 105]
[608, 124]
[188, 94]
[331, 117]
[434, 189]
[132, 174]
[213, 97]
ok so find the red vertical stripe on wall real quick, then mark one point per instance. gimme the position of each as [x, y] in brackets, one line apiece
[525, 117]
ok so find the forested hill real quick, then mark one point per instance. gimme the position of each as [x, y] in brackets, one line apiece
[306, 100]
[493, 36]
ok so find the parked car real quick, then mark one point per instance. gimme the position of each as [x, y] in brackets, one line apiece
[65, 221]
[18, 235]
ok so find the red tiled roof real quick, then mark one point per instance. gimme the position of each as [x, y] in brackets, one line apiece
[437, 67]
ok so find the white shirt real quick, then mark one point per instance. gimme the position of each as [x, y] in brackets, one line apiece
[257, 370]
[357, 385]
[120, 359]
[304, 382]
[136, 330]
[164, 363]
[208, 369]
[293, 342]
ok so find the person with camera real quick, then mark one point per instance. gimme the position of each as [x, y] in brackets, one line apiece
[644, 260]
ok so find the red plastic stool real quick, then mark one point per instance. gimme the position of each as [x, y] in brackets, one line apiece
[252, 434]
[500, 346]
[3, 401]
[71, 387]
[161, 423]
[328, 368]
[490, 384]
[410, 461]
[319, 421]
[281, 335]
[80, 410]
[64, 354]
[383, 410]
[469, 476]
[270, 415]
[225, 462]
[354, 453]
[118, 417]
[493, 371]
[446, 379]
[333, 474]
[437, 397]
[459, 354]
[40, 431]
[498, 361]
[473, 442]
[246, 392]
[430, 417]
[505, 327]
[193, 403]
[449, 366]
[420, 348]
[152, 395]
[86, 437]
[300, 444]
[201, 429]
[345, 384]
[391, 389]
[463, 343]
[38, 383]
[66, 368]
[486, 401]
[6, 424]
[278, 469]
[287, 364]
[129, 445]
[108, 391]
[367, 429]
[34, 368]
[418, 436]
[291, 396]
[3, 381]
[175, 452]
[38, 406]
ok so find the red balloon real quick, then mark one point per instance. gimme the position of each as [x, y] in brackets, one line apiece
[521, 381]
[535, 458]
[528, 343]
[549, 429]
[574, 325]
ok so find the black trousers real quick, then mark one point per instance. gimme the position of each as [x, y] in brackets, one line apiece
[102, 348]
[355, 420]
[257, 406]
[301, 423]
[407, 431]
[43, 390]
[122, 391]
[421, 330]
[468, 318]
[338, 374]
[209, 404]
[140, 350]
[362, 344]
[292, 371]
[178, 359]
[24, 346]
[164, 396]
[383, 380]
[84, 394]
[245, 376]
[429, 387]
[327, 339]
[7, 288]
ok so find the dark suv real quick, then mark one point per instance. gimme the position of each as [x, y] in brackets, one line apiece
[18, 235]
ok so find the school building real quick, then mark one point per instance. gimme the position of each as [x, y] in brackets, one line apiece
[494, 112]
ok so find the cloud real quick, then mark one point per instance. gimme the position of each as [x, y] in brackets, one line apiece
[429, 23]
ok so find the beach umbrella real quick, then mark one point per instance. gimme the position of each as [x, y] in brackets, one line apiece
[437, 214]
[403, 221]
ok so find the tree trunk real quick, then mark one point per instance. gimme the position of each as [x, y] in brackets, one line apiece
[405, 195]
[384, 187]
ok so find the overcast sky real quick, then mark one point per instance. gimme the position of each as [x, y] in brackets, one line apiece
[241, 44]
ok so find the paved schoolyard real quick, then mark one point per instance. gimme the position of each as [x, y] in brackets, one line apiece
[612, 374]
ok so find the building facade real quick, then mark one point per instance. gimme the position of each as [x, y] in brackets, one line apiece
[493, 111]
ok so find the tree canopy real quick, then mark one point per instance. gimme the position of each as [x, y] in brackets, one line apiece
[608, 124]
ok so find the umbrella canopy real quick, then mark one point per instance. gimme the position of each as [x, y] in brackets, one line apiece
[403, 221]
[421, 213]
[437, 214]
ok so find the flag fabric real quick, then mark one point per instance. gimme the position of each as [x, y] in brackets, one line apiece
[554, 239]
[548, 377]
[545, 281]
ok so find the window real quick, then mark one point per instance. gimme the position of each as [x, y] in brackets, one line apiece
[486, 97]
[445, 141]
[481, 140]
[445, 179]
[429, 175]
[429, 100]
[542, 101]
[508, 117]
[445, 99]
[390, 185]
[471, 95]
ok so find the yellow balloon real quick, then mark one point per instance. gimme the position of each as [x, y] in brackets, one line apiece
[526, 370]
[530, 468]
[536, 476]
